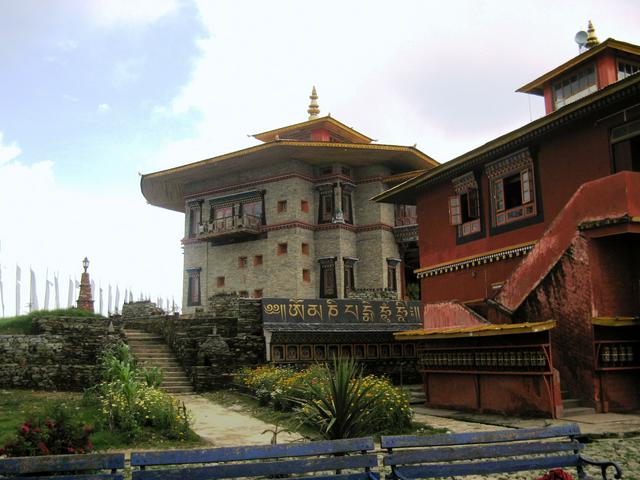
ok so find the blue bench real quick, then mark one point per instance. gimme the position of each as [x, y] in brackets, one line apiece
[341, 459]
[64, 467]
[485, 453]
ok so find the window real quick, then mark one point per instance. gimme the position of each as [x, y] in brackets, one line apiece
[347, 210]
[282, 206]
[392, 278]
[575, 86]
[236, 211]
[304, 206]
[464, 208]
[627, 68]
[243, 294]
[305, 249]
[406, 215]
[345, 171]
[242, 262]
[328, 277]
[512, 188]
[625, 141]
[306, 275]
[257, 293]
[193, 287]
[326, 205]
[349, 275]
[326, 170]
[220, 282]
[194, 221]
[282, 249]
[257, 260]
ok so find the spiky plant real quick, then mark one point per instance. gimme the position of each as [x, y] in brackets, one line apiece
[338, 403]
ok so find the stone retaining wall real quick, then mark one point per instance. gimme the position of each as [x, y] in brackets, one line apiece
[211, 346]
[369, 294]
[62, 355]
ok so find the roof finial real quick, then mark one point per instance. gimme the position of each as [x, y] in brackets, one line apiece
[592, 40]
[313, 109]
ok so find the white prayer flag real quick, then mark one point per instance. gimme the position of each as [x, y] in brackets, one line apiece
[93, 290]
[47, 292]
[109, 301]
[18, 275]
[117, 304]
[33, 295]
[101, 301]
[130, 296]
[56, 289]
[70, 294]
[1, 291]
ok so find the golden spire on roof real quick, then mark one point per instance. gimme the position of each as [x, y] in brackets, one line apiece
[592, 40]
[313, 109]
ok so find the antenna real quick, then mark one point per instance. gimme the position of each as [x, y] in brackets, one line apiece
[581, 39]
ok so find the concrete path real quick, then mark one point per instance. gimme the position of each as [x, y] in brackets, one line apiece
[228, 426]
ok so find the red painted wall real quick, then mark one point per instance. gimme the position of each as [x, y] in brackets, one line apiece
[320, 135]
[520, 395]
[564, 162]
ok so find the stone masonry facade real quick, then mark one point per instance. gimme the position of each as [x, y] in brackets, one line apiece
[63, 355]
[283, 260]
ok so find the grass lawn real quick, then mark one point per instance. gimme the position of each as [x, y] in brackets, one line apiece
[17, 406]
[23, 324]
[289, 420]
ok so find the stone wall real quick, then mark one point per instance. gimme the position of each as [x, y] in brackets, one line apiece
[211, 346]
[62, 355]
[369, 294]
[143, 308]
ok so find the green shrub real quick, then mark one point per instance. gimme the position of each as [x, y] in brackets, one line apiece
[130, 400]
[55, 433]
[324, 396]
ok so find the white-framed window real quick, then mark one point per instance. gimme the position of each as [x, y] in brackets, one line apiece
[626, 68]
[512, 185]
[575, 86]
[464, 207]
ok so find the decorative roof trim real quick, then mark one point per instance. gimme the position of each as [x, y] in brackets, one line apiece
[507, 143]
[489, 257]
[487, 330]
[310, 123]
[616, 321]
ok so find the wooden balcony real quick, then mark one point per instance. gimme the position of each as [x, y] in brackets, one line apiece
[406, 229]
[231, 228]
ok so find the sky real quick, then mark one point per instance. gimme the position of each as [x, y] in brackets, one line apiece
[95, 92]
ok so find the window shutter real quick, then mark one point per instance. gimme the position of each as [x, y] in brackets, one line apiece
[455, 213]
[527, 186]
[473, 201]
[498, 195]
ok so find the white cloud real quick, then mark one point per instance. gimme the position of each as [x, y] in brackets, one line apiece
[7, 152]
[104, 108]
[127, 72]
[53, 227]
[110, 13]
[67, 45]
[70, 98]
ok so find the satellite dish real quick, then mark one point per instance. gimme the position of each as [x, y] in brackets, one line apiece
[581, 38]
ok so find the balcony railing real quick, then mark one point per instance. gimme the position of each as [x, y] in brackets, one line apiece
[231, 226]
[406, 220]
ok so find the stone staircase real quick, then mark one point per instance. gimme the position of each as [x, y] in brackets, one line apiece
[150, 350]
[417, 394]
[573, 407]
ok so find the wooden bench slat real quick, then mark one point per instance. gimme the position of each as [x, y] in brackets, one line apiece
[61, 463]
[89, 476]
[258, 468]
[447, 454]
[227, 454]
[342, 476]
[485, 468]
[397, 441]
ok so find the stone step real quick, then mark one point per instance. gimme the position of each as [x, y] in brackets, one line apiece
[577, 411]
[178, 389]
[149, 348]
[568, 403]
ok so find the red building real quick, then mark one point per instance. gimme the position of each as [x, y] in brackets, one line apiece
[540, 224]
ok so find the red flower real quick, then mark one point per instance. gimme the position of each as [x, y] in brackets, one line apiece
[71, 450]
[89, 445]
[43, 448]
[25, 428]
[81, 450]
[49, 423]
[36, 430]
